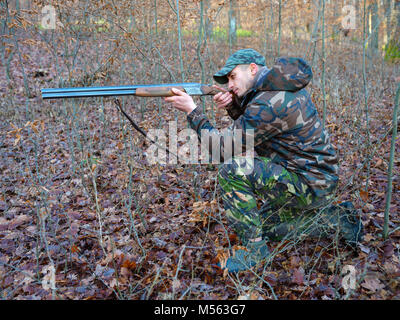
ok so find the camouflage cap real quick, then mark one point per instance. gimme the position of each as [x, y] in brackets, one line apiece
[244, 56]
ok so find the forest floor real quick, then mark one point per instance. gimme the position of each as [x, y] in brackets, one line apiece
[84, 216]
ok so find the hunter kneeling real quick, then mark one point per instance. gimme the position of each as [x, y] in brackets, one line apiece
[294, 168]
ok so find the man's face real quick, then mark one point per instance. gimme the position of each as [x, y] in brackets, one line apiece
[241, 78]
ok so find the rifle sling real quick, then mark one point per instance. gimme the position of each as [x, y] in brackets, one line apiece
[141, 131]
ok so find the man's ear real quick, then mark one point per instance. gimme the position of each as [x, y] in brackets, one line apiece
[253, 68]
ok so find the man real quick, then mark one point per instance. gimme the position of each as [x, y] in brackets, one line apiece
[294, 169]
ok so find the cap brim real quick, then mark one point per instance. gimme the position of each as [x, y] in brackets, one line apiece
[221, 79]
[221, 75]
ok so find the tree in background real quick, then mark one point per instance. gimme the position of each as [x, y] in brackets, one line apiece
[392, 48]
[232, 23]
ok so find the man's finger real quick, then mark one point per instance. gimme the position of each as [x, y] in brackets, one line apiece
[222, 96]
[227, 99]
[225, 102]
[227, 94]
[170, 99]
[177, 91]
[220, 88]
[217, 96]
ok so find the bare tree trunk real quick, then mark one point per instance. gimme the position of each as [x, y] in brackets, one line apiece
[323, 64]
[365, 37]
[388, 13]
[374, 28]
[207, 23]
[393, 49]
[238, 24]
[396, 32]
[390, 169]
[265, 31]
[279, 28]
[180, 41]
[232, 24]
[201, 40]
[4, 27]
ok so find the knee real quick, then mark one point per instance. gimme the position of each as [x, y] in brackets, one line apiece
[225, 170]
[239, 166]
[225, 175]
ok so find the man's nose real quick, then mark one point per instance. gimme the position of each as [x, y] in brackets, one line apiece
[230, 85]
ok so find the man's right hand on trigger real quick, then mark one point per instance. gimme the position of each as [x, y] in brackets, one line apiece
[222, 99]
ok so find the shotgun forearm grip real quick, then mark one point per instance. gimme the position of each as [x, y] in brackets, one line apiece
[157, 92]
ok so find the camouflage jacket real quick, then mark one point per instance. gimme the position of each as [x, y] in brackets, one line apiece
[286, 124]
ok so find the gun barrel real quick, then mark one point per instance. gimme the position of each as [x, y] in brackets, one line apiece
[85, 92]
[47, 94]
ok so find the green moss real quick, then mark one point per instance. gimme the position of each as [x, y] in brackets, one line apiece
[222, 33]
[219, 33]
[392, 51]
[243, 33]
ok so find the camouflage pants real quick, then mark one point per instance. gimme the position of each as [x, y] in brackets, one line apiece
[289, 209]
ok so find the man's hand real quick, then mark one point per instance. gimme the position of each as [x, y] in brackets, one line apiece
[222, 99]
[181, 101]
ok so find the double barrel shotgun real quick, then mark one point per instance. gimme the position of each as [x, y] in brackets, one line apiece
[153, 90]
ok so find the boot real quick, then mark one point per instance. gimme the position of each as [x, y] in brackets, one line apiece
[351, 228]
[244, 260]
[343, 219]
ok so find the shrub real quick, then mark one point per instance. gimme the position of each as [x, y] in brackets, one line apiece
[392, 51]
[243, 33]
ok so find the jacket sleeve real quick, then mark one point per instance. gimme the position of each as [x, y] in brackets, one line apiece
[221, 145]
[241, 137]
[234, 109]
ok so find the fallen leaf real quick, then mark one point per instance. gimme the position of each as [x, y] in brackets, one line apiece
[75, 215]
[176, 284]
[372, 283]
[19, 220]
[271, 278]
[378, 163]
[298, 276]
[253, 296]
[391, 269]
[202, 211]
[295, 261]
[125, 272]
[3, 224]
[388, 249]
[222, 257]
[364, 195]
[129, 264]
[368, 237]
[364, 248]
[153, 219]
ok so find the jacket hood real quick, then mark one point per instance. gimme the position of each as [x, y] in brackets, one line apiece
[287, 74]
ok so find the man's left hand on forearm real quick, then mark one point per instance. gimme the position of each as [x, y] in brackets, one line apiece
[181, 101]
